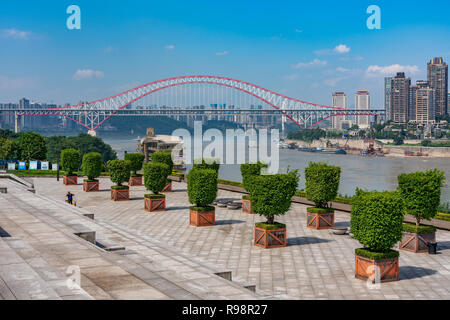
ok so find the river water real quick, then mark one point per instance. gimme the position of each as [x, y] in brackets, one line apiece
[371, 173]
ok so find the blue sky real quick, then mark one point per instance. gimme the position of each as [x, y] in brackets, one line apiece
[305, 49]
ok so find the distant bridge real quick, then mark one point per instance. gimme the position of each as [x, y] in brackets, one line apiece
[93, 114]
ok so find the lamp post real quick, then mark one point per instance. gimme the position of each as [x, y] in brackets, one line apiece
[57, 169]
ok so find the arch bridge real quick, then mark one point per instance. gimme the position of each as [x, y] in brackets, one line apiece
[95, 113]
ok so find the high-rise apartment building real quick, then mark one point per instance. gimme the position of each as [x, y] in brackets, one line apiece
[413, 98]
[399, 98]
[387, 97]
[362, 102]
[339, 101]
[438, 80]
[425, 106]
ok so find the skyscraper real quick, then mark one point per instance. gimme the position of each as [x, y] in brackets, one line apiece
[425, 106]
[412, 107]
[362, 102]
[438, 80]
[387, 97]
[339, 101]
[399, 98]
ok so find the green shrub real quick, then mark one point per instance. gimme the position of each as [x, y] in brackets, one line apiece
[213, 164]
[204, 209]
[163, 157]
[202, 186]
[70, 160]
[120, 187]
[369, 254]
[271, 195]
[230, 183]
[422, 193]
[92, 165]
[154, 196]
[119, 171]
[322, 183]
[409, 227]
[267, 226]
[319, 210]
[377, 219]
[155, 176]
[249, 169]
[136, 159]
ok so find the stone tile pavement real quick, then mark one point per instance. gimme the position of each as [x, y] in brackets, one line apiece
[314, 265]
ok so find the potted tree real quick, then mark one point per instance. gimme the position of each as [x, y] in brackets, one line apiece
[247, 170]
[70, 162]
[322, 184]
[119, 172]
[376, 222]
[271, 195]
[164, 157]
[92, 168]
[155, 180]
[202, 191]
[136, 160]
[422, 194]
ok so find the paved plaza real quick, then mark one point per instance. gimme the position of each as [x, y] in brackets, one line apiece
[314, 265]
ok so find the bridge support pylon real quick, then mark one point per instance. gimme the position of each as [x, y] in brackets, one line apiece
[92, 133]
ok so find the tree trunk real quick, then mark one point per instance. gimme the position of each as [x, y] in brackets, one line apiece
[270, 220]
[417, 221]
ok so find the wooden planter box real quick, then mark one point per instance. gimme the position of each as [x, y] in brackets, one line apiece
[319, 221]
[91, 186]
[135, 181]
[247, 206]
[155, 204]
[270, 238]
[70, 180]
[202, 218]
[386, 269]
[120, 194]
[168, 187]
[416, 242]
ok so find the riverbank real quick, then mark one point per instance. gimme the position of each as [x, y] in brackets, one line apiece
[356, 146]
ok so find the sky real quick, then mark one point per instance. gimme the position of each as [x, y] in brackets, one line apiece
[303, 49]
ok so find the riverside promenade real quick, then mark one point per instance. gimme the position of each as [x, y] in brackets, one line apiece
[185, 261]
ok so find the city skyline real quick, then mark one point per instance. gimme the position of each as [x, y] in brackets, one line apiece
[299, 55]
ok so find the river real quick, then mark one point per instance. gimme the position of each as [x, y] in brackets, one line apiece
[371, 173]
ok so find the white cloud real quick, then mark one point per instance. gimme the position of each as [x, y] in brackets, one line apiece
[109, 49]
[315, 62]
[334, 81]
[88, 74]
[342, 48]
[15, 34]
[170, 47]
[223, 53]
[340, 69]
[378, 71]
[10, 84]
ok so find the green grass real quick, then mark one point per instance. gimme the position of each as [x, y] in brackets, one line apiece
[202, 209]
[46, 173]
[319, 210]
[409, 227]
[120, 187]
[87, 180]
[135, 175]
[339, 199]
[266, 226]
[369, 254]
[246, 197]
[230, 183]
[443, 216]
[154, 196]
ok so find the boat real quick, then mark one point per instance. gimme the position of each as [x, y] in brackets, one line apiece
[322, 150]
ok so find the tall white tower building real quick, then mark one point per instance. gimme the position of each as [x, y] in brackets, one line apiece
[362, 102]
